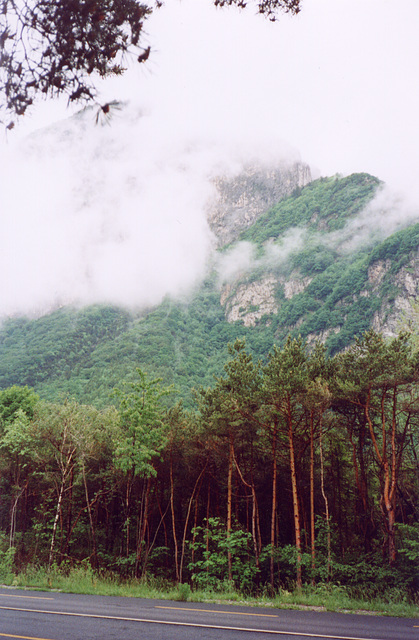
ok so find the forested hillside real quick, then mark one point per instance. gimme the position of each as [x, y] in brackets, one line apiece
[256, 434]
[302, 470]
[327, 287]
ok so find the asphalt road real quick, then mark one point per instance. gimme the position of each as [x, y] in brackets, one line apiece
[31, 615]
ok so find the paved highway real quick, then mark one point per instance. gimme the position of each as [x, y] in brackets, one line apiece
[30, 615]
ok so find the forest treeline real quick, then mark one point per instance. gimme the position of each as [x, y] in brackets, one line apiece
[299, 469]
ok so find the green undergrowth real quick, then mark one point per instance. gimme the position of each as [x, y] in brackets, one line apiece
[322, 597]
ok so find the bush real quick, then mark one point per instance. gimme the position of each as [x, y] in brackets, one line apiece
[6, 564]
[211, 546]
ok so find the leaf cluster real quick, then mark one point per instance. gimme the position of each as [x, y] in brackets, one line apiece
[51, 47]
[268, 8]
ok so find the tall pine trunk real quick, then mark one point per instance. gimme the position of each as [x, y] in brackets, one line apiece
[172, 510]
[312, 527]
[274, 500]
[229, 502]
[297, 525]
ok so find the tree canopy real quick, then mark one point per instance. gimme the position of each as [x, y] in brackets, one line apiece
[300, 470]
[50, 47]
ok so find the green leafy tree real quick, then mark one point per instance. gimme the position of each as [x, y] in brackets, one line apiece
[66, 437]
[16, 399]
[17, 450]
[285, 379]
[141, 437]
[228, 409]
[317, 400]
[17, 406]
[213, 550]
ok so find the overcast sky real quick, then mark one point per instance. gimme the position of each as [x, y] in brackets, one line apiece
[339, 83]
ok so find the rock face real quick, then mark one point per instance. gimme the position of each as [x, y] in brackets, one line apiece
[250, 301]
[294, 285]
[377, 271]
[309, 282]
[393, 317]
[242, 199]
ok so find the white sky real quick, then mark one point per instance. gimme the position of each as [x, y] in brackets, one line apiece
[339, 83]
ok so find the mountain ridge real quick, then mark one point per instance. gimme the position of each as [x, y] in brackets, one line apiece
[299, 257]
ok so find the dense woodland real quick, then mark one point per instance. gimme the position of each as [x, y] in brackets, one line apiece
[299, 469]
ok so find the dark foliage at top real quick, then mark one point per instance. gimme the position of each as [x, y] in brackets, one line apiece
[267, 8]
[50, 47]
[53, 48]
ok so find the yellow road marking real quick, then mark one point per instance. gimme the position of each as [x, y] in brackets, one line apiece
[235, 613]
[9, 635]
[196, 625]
[9, 595]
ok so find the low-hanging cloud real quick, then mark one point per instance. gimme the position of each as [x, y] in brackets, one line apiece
[116, 213]
[107, 214]
[242, 259]
[386, 214]
[100, 214]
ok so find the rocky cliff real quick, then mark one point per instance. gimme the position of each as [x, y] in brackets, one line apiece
[241, 199]
[396, 312]
[319, 287]
[316, 266]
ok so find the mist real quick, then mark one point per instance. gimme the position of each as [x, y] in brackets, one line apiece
[112, 213]
[115, 213]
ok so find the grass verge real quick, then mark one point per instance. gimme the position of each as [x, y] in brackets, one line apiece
[323, 597]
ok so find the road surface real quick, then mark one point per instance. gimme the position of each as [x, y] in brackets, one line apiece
[31, 615]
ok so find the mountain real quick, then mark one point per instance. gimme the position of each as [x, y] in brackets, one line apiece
[242, 199]
[325, 259]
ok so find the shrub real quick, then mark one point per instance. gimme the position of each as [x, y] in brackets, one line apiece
[211, 546]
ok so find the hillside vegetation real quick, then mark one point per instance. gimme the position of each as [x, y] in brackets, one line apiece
[301, 471]
[85, 353]
[272, 452]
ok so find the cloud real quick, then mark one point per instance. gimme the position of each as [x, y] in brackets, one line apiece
[112, 214]
[387, 213]
[100, 214]
[242, 258]
[115, 213]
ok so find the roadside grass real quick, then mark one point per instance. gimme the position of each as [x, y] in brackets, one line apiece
[322, 597]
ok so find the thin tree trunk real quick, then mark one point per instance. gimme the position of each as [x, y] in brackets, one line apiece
[326, 503]
[254, 511]
[195, 522]
[150, 546]
[312, 529]
[13, 516]
[54, 528]
[127, 511]
[389, 471]
[229, 502]
[274, 500]
[143, 527]
[65, 470]
[172, 510]
[197, 484]
[89, 510]
[297, 526]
